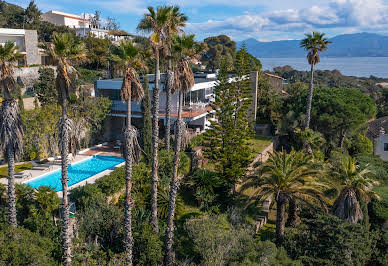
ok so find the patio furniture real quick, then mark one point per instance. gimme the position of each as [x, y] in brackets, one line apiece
[24, 175]
[117, 145]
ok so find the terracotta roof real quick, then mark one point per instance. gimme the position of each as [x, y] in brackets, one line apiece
[375, 127]
[274, 76]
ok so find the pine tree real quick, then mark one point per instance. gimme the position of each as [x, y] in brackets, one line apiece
[226, 140]
[147, 122]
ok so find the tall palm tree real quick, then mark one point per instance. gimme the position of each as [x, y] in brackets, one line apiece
[185, 48]
[314, 43]
[11, 127]
[127, 56]
[286, 176]
[353, 182]
[155, 22]
[65, 50]
[177, 21]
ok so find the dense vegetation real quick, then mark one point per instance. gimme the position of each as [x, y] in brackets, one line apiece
[327, 193]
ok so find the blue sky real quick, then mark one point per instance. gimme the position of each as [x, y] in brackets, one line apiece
[264, 20]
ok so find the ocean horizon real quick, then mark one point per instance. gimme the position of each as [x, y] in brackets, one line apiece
[349, 66]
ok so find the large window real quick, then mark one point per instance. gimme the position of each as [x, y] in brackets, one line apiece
[385, 146]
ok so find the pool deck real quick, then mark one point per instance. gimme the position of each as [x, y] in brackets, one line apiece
[41, 169]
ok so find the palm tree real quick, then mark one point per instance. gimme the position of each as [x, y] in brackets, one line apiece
[177, 21]
[127, 56]
[186, 48]
[354, 183]
[64, 51]
[314, 43]
[155, 22]
[285, 176]
[11, 127]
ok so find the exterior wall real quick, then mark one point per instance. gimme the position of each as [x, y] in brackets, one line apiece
[379, 150]
[32, 52]
[72, 23]
[53, 18]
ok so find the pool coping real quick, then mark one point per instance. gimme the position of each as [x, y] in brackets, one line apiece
[89, 180]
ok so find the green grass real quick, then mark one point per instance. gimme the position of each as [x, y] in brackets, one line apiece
[18, 168]
[383, 192]
[258, 143]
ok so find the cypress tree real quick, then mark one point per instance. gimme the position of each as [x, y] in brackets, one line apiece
[147, 122]
[226, 140]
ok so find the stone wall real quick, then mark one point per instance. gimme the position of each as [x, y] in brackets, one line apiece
[26, 76]
[31, 45]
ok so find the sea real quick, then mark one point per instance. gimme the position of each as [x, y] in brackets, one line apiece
[348, 66]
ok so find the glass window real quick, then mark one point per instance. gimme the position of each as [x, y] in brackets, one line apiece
[385, 146]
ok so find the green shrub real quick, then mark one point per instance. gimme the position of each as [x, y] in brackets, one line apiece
[166, 163]
[84, 196]
[376, 165]
[19, 246]
[326, 240]
[359, 144]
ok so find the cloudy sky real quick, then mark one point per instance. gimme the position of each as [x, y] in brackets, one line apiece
[265, 20]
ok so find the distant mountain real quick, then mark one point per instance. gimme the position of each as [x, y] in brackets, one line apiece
[347, 45]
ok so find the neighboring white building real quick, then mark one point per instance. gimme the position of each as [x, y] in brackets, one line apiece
[81, 24]
[27, 41]
[65, 19]
[378, 133]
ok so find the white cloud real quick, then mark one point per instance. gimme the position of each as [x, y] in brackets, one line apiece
[354, 14]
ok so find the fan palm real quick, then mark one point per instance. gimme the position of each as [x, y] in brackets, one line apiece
[314, 43]
[155, 22]
[354, 182]
[11, 127]
[185, 48]
[127, 56]
[177, 22]
[286, 176]
[65, 50]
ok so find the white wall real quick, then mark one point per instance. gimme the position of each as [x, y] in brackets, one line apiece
[380, 141]
[19, 40]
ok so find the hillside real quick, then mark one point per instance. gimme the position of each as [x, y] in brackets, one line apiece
[347, 45]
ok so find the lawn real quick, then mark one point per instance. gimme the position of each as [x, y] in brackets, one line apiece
[258, 143]
[18, 168]
[383, 192]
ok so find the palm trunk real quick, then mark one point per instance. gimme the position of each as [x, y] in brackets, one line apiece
[293, 217]
[11, 187]
[66, 238]
[310, 97]
[280, 221]
[168, 107]
[128, 240]
[155, 142]
[174, 185]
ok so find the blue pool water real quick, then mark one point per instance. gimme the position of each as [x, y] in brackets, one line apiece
[77, 172]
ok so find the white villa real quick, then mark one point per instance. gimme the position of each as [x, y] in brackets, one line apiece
[81, 24]
[196, 110]
[378, 133]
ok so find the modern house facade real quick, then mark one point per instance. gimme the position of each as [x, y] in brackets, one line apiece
[27, 41]
[196, 110]
[378, 133]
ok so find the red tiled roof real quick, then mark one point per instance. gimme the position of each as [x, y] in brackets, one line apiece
[375, 127]
[274, 76]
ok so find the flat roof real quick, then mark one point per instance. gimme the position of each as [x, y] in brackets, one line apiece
[8, 31]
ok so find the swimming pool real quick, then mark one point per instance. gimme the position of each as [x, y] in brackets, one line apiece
[77, 172]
